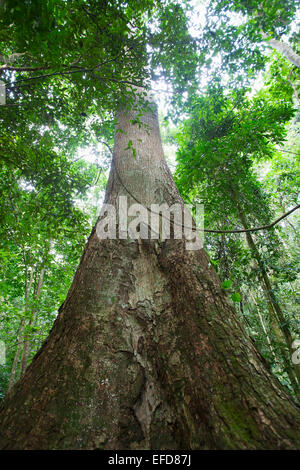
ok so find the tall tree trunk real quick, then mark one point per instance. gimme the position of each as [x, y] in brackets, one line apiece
[283, 332]
[147, 352]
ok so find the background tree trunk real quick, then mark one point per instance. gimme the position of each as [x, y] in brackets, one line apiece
[13, 372]
[264, 328]
[26, 347]
[147, 352]
[280, 325]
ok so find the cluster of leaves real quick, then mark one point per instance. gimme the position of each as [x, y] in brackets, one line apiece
[224, 135]
[237, 31]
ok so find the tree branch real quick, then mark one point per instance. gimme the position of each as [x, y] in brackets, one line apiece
[282, 47]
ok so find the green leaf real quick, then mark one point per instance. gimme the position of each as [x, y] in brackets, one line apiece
[236, 297]
[226, 284]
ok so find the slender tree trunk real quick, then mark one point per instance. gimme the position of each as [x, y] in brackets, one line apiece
[276, 313]
[17, 355]
[26, 347]
[20, 335]
[264, 328]
[147, 352]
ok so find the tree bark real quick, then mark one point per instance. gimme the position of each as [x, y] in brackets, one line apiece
[147, 352]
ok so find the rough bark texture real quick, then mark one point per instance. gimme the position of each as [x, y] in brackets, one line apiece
[147, 352]
[26, 347]
[28, 285]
